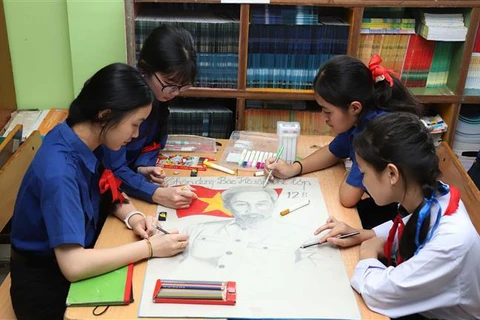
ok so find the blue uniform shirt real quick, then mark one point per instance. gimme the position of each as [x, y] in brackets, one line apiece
[125, 161]
[342, 146]
[58, 200]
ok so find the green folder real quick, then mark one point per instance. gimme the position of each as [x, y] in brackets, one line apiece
[112, 288]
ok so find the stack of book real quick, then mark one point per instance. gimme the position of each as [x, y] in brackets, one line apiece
[442, 26]
[388, 25]
[436, 126]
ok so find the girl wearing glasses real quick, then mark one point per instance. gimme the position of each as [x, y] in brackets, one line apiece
[168, 64]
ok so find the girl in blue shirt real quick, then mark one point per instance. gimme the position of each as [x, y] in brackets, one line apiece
[350, 95]
[167, 62]
[57, 213]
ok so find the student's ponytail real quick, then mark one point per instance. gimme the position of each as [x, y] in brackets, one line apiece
[389, 93]
[396, 98]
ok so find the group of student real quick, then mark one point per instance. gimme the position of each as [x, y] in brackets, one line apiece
[424, 263]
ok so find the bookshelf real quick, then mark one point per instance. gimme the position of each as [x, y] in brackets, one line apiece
[446, 99]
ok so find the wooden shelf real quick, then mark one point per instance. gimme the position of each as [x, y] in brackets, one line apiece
[471, 96]
[436, 95]
[351, 3]
[447, 100]
[252, 94]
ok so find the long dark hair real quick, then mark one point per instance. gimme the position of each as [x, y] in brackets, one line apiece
[402, 139]
[169, 50]
[117, 87]
[344, 79]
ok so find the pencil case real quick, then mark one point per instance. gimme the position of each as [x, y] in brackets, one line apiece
[195, 292]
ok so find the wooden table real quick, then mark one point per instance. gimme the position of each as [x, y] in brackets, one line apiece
[114, 232]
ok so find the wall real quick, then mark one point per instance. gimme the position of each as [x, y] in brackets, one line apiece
[55, 45]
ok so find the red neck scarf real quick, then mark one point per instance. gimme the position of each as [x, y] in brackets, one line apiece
[151, 147]
[109, 182]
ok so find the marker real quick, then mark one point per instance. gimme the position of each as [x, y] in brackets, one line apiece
[216, 166]
[340, 236]
[295, 207]
[277, 157]
[242, 156]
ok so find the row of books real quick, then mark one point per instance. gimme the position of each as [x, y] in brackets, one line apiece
[287, 56]
[327, 37]
[285, 15]
[473, 76]
[214, 121]
[418, 62]
[265, 120]
[216, 40]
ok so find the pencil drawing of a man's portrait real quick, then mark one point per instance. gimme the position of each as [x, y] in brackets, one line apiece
[252, 233]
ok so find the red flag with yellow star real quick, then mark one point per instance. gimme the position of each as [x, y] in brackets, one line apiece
[209, 202]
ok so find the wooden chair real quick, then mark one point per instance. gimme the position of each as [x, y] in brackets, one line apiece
[11, 175]
[453, 173]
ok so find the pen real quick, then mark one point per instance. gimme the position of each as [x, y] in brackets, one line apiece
[340, 236]
[295, 207]
[277, 157]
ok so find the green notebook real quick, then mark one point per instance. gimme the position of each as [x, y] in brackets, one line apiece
[112, 288]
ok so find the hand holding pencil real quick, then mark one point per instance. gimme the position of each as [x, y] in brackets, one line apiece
[281, 169]
[338, 231]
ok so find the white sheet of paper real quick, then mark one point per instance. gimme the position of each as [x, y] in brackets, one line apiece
[275, 279]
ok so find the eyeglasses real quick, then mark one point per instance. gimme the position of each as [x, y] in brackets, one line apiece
[166, 88]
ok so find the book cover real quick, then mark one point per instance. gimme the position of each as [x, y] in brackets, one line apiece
[112, 288]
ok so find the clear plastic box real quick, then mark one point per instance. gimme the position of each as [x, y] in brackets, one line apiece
[288, 133]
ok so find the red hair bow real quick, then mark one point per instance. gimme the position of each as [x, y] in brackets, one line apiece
[151, 147]
[379, 73]
[109, 182]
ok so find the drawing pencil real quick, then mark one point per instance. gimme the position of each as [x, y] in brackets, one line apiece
[340, 236]
[193, 282]
[160, 229]
[192, 287]
[295, 207]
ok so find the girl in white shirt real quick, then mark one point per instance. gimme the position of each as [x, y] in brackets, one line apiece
[432, 248]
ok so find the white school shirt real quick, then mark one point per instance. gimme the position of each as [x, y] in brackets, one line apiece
[442, 281]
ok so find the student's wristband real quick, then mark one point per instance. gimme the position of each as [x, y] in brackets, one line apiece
[301, 168]
[131, 214]
[150, 249]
